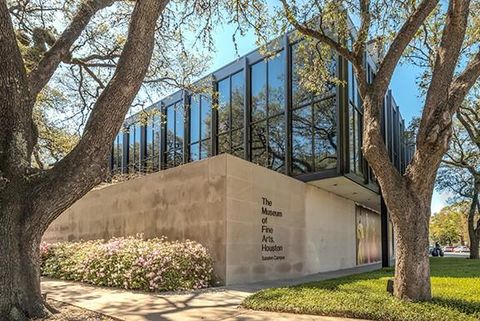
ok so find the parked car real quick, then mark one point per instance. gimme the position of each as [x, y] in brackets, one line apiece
[448, 248]
[461, 249]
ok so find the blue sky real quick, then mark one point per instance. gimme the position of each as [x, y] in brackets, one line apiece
[403, 83]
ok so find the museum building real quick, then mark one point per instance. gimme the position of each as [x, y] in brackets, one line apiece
[266, 174]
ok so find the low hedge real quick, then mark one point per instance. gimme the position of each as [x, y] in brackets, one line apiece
[130, 263]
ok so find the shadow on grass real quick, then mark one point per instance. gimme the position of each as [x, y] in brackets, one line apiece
[467, 307]
[372, 286]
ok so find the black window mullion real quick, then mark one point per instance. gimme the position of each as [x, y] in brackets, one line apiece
[288, 105]
[247, 117]
[186, 126]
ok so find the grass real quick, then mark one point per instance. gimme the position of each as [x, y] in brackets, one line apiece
[455, 289]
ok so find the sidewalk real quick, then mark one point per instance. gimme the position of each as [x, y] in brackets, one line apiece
[212, 304]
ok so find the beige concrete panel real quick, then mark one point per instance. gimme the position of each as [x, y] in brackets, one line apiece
[183, 202]
[330, 241]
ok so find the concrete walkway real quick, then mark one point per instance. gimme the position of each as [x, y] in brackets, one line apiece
[211, 304]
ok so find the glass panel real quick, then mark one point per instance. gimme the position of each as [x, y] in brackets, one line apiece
[179, 125]
[149, 132]
[351, 83]
[223, 105]
[259, 91]
[358, 143]
[302, 153]
[223, 143]
[276, 148]
[300, 94]
[205, 149]
[170, 158]
[195, 152]
[195, 120]
[237, 100]
[131, 145]
[138, 130]
[259, 143]
[325, 142]
[156, 139]
[237, 143]
[206, 120]
[276, 84]
[352, 141]
[170, 128]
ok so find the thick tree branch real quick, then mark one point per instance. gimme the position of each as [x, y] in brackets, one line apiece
[84, 166]
[464, 82]
[403, 38]
[473, 132]
[45, 69]
[436, 116]
[321, 36]
[17, 135]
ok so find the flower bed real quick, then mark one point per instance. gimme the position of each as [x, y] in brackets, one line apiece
[130, 263]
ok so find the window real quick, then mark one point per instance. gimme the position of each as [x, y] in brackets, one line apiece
[268, 135]
[314, 122]
[231, 113]
[355, 117]
[174, 134]
[117, 154]
[134, 154]
[152, 139]
[200, 127]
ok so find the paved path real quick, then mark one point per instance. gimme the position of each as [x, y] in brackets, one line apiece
[213, 304]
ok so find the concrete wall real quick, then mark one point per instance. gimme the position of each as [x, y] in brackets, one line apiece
[331, 238]
[257, 223]
[186, 202]
[251, 188]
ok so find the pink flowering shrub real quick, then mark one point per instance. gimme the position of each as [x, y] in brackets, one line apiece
[131, 263]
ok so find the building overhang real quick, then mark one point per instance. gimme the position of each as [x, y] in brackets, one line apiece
[347, 188]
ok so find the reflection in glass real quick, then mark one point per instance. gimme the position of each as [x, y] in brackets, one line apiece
[276, 137]
[231, 113]
[224, 105]
[259, 91]
[276, 84]
[325, 131]
[237, 101]
[175, 134]
[302, 149]
[195, 120]
[117, 154]
[259, 143]
[200, 127]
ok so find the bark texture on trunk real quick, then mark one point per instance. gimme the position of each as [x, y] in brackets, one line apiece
[412, 267]
[20, 296]
[30, 199]
[474, 229]
[408, 202]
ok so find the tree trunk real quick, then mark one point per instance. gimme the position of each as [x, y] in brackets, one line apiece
[412, 266]
[20, 295]
[474, 247]
[474, 231]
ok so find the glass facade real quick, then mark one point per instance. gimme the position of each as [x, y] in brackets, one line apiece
[231, 114]
[314, 123]
[117, 154]
[267, 126]
[262, 111]
[134, 147]
[174, 134]
[200, 127]
[152, 142]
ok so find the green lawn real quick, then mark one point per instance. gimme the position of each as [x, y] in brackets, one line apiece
[455, 287]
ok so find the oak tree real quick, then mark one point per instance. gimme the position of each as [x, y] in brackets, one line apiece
[445, 37]
[459, 173]
[85, 60]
